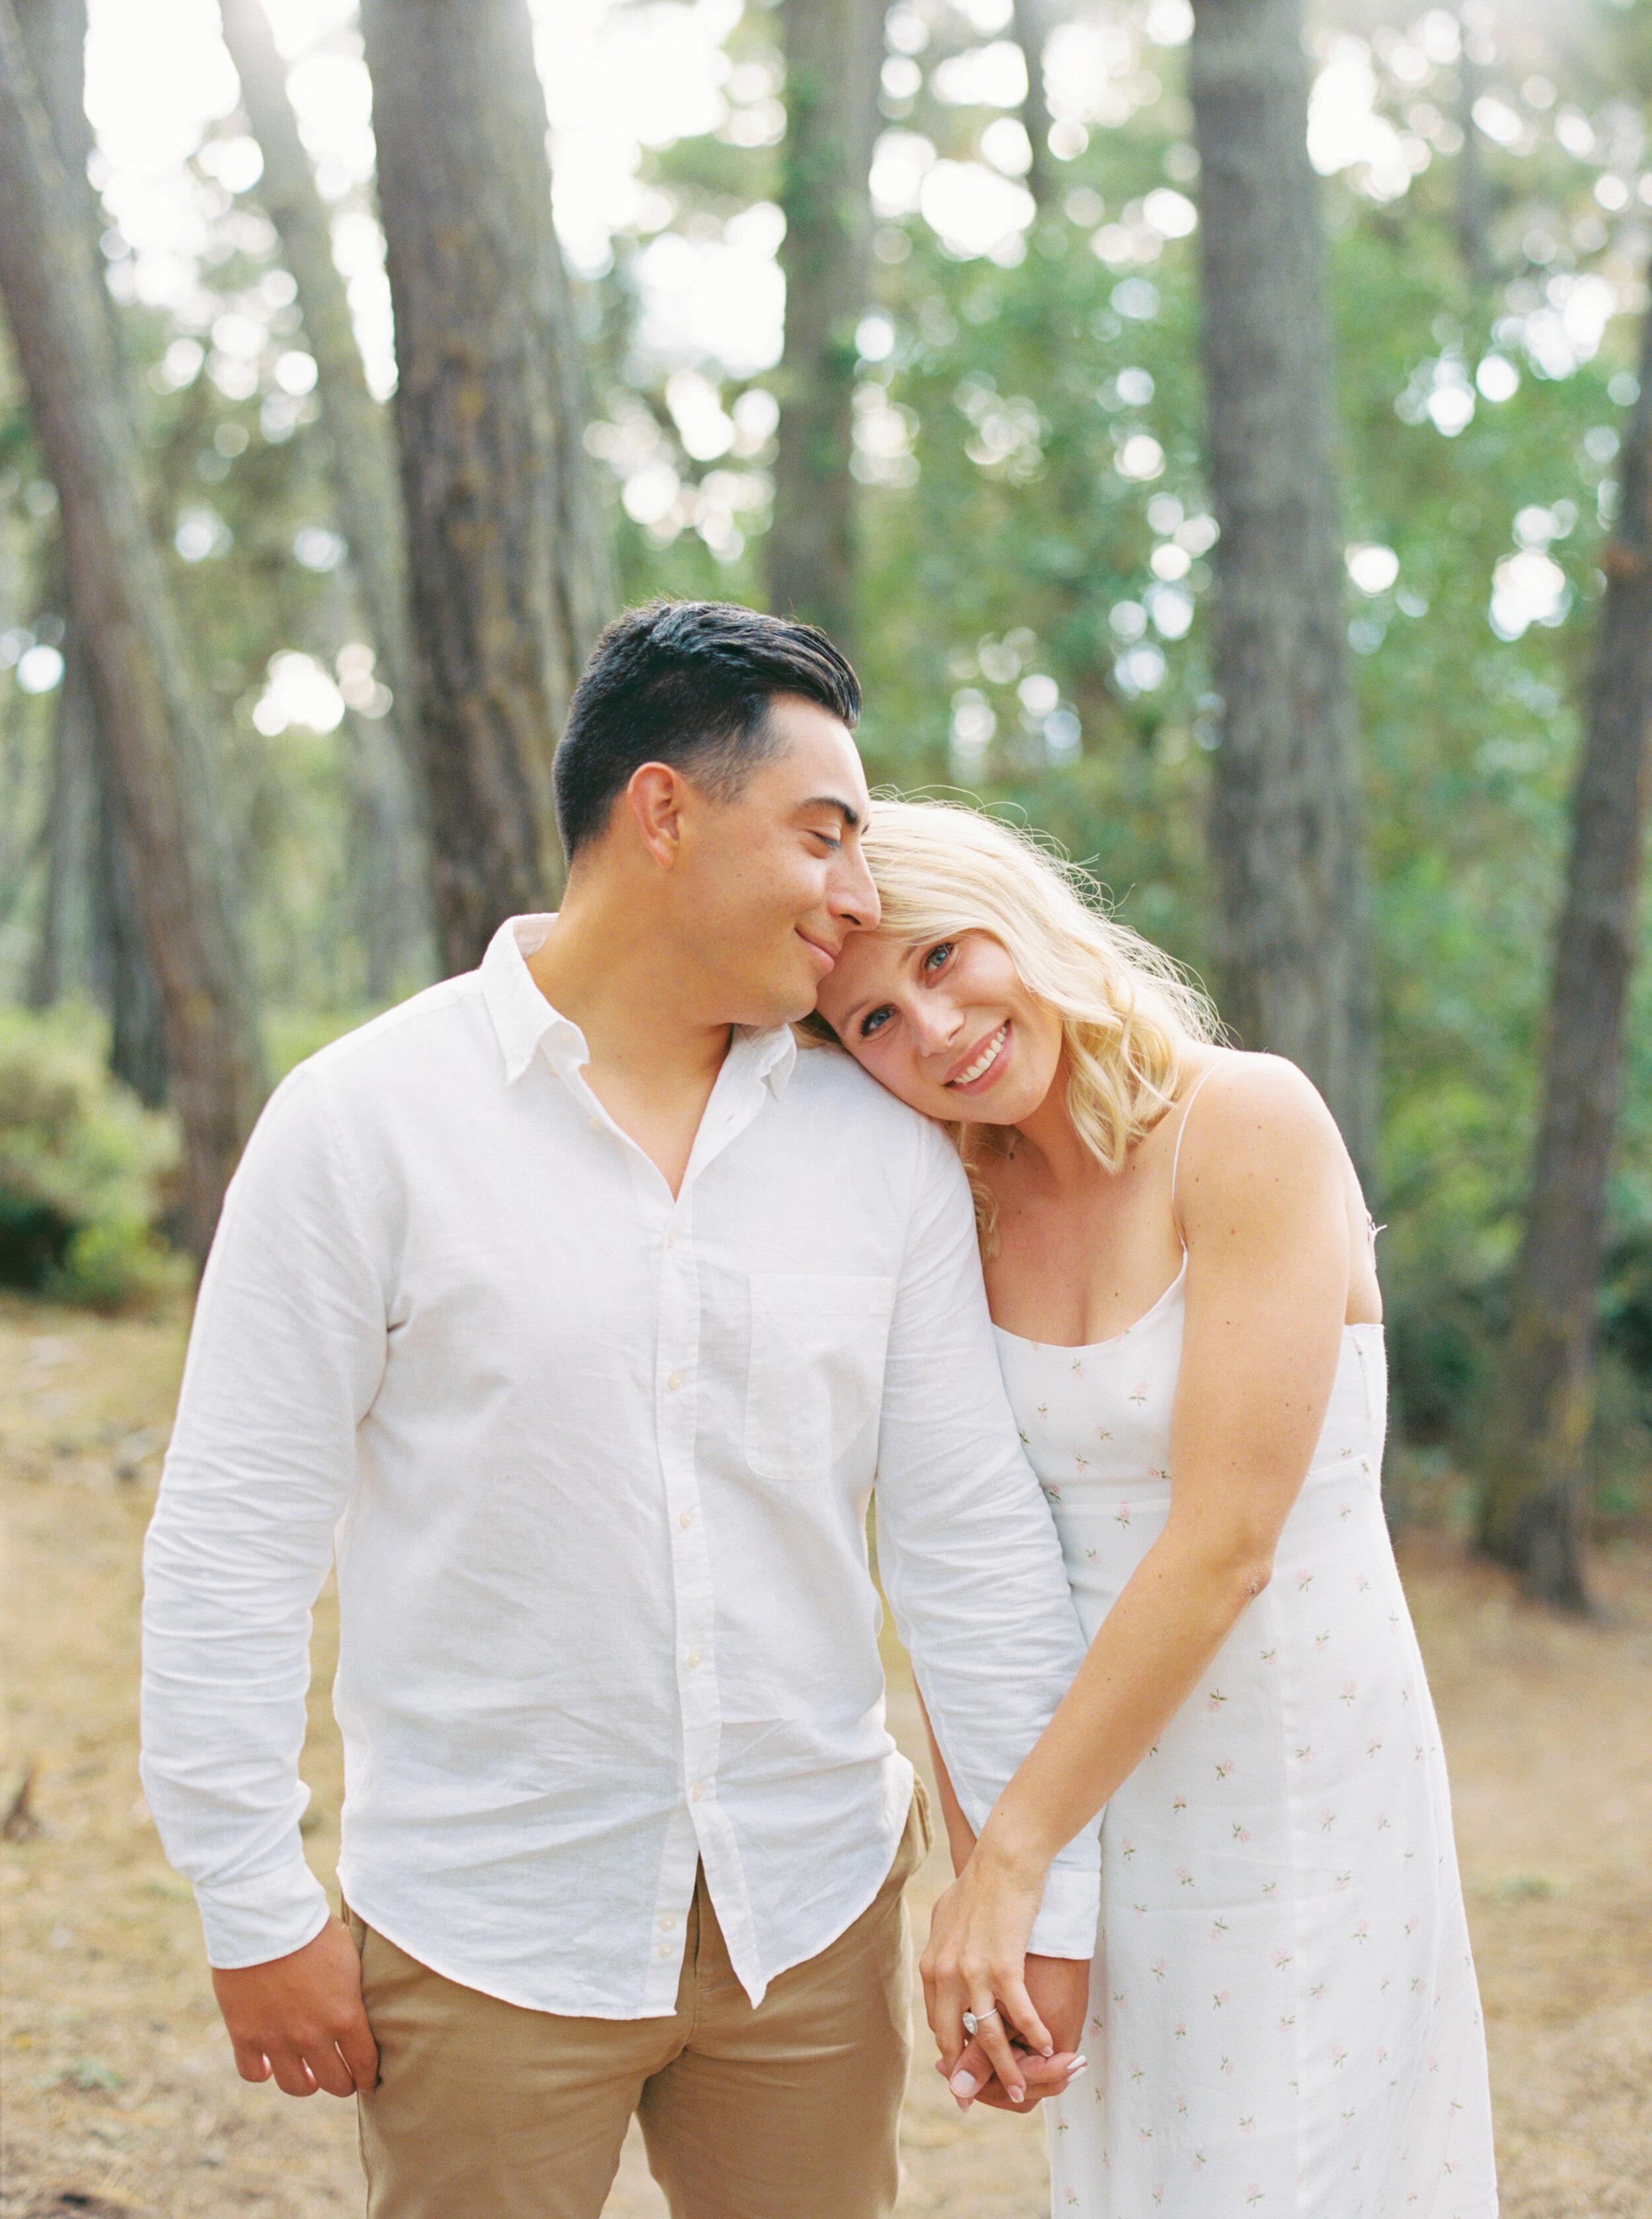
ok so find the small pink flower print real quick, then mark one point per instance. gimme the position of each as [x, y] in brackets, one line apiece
[1158, 1968]
[1139, 1393]
[1286, 2024]
[1083, 1463]
[1053, 1493]
[1305, 1755]
[1346, 1510]
[1328, 1820]
[1154, 1472]
[1281, 1958]
[1024, 1439]
[1138, 2072]
[1336, 2055]
[1361, 1584]
[1382, 2059]
[1218, 1927]
[1416, 1986]
[1102, 1433]
[1089, 1556]
[1411, 1925]
[1344, 1881]
[1180, 2030]
[1248, 2127]
[1227, 2067]
[1363, 1931]
[1241, 1833]
[1095, 2026]
[1373, 1745]
[1252, 2194]
[1121, 1515]
[1144, 2133]
[1214, 1700]
[1178, 1803]
[1320, 1639]
[1349, 1690]
[1222, 1995]
[1270, 1886]
[1316, 1992]
[1267, 1654]
[1225, 1768]
[1199, 2160]
[1159, 2196]
[1304, 1579]
[1181, 2107]
[1383, 1823]
[1185, 1876]
[1126, 1849]
[1140, 1909]
[1077, 1368]
[1043, 1409]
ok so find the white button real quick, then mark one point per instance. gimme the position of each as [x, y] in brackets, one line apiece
[664, 1949]
[685, 1519]
[695, 1792]
[666, 1924]
[692, 1660]
[671, 1238]
[595, 1124]
[674, 1382]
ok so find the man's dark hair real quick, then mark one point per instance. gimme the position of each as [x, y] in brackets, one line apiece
[687, 683]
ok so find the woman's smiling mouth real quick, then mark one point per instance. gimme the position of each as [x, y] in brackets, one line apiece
[983, 1059]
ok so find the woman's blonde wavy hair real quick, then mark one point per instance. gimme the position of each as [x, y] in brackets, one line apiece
[1128, 1013]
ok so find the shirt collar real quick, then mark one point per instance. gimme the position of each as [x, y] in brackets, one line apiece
[527, 1023]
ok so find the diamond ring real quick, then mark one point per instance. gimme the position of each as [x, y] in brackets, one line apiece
[973, 2020]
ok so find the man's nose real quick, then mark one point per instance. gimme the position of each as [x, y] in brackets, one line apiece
[854, 898]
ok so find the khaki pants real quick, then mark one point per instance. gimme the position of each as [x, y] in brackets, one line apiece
[484, 2111]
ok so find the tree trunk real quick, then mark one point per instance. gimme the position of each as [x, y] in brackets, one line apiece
[66, 836]
[1286, 812]
[508, 555]
[54, 36]
[145, 701]
[1535, 1509]
[1032, 30]
[834, 49]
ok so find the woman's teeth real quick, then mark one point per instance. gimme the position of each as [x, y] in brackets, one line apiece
[984, 1061]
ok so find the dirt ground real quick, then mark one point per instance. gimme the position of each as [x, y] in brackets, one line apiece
[119, 2093]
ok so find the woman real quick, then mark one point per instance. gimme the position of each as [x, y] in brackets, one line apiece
[1282, 2011]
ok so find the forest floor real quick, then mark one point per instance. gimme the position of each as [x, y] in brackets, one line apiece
[120, 2097]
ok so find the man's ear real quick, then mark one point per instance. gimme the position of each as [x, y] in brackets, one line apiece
[655, 795]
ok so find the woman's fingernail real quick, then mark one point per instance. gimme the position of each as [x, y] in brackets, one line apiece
[1017, 2095]
[1046, 2052]
[963, 2086]
[1082, 2065]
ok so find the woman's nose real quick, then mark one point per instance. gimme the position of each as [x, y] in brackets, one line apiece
[934, 1021]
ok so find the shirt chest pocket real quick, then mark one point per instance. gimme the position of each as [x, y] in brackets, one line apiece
[816, 1372]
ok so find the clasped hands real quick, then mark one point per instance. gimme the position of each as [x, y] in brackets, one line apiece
[976, 1954]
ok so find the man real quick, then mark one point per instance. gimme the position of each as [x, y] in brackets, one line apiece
[579, 1309]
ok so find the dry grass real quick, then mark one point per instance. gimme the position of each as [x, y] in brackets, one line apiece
[120, 2097]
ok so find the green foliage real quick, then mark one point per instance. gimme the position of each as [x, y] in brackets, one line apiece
[83, 1166]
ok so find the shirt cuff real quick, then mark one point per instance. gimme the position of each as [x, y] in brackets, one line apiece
[248, 1922]
[1071, 1911]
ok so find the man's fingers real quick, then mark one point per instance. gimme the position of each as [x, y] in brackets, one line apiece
[361, 2055]
[292, 2076]
[250, 2060]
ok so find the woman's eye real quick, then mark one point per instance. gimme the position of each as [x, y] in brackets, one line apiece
[874, 1021]
[936, 958]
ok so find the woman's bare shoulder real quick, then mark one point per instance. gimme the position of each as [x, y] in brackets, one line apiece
[1257, 1118]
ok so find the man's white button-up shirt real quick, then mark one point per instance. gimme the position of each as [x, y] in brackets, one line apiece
[595, 1462]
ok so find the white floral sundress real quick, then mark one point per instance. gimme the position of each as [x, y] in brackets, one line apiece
[1284, 2016]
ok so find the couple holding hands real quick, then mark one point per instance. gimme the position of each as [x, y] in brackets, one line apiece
[818, 1146]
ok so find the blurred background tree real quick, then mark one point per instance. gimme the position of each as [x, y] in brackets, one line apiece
[1015, 377]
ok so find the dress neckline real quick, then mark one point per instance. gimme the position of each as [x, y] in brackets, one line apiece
[1147, 1317]
[1081, 1347]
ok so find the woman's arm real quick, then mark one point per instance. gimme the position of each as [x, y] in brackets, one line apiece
[1264, 1214]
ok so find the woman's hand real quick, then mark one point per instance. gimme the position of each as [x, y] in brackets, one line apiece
[976, 1959]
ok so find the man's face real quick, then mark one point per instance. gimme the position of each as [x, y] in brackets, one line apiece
[773, 881]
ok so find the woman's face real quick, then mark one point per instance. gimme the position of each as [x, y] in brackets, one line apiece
[947, 1025]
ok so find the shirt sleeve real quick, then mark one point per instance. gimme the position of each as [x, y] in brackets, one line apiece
[966, 1547]
[285, 1356]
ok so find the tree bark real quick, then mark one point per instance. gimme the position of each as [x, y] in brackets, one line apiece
[1032, 30]
[834, 49]
[1286, 827]
[1534, 1513]
[145, 699]
[54, 36]
[508, 555]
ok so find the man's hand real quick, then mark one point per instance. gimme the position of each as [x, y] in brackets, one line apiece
[1059, 1986]
[301, 2018]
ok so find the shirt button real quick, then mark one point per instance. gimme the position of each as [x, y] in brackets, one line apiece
[666, 1924]
[674, 1382]
[685, 1519]
[595, 1124]
[664, 1949]
[671, 1238]
[692, 1660]
[695, 1792]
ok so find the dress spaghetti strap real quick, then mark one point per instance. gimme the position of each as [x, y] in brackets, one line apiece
[1175, 1159]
